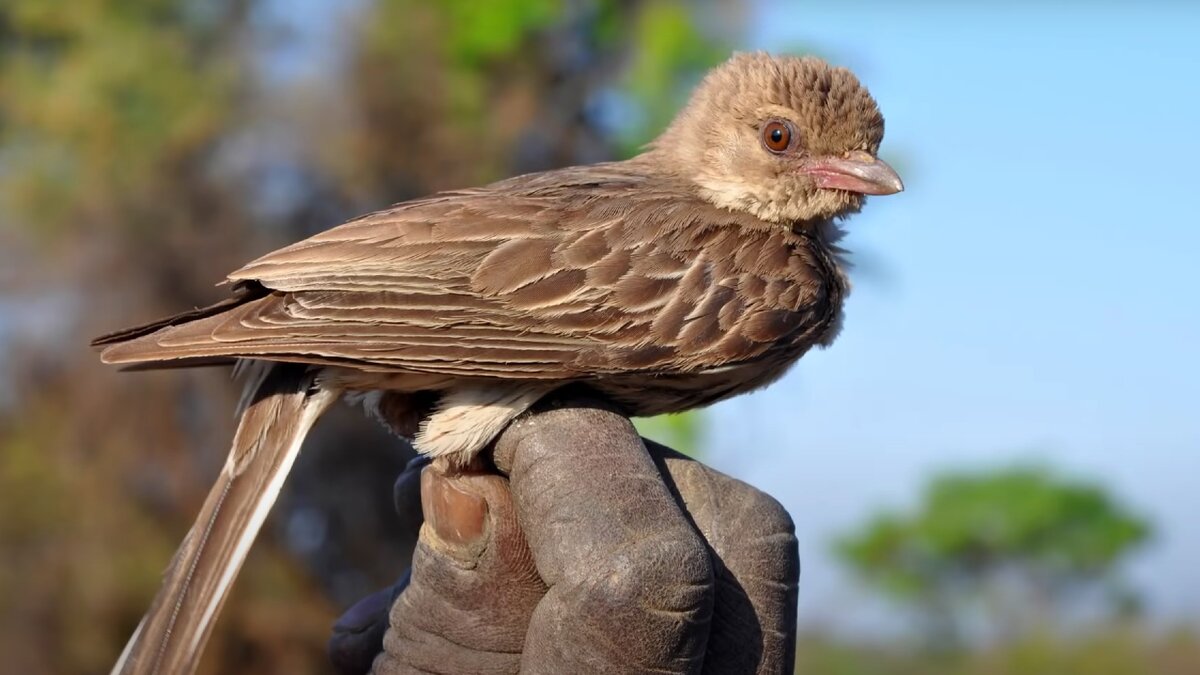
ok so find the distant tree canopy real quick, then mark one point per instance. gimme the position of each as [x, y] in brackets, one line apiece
[1022, 540]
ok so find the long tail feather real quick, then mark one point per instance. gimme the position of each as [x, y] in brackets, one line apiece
[285, 402]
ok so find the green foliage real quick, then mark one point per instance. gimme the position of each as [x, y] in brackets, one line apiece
[1114, 650]
[489, 30]
[682, 432]
[97, 102]
[1023, 528]
[671, 54]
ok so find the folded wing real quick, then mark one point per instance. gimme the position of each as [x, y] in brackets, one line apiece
[562, 275]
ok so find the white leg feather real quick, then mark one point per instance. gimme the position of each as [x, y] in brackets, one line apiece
[468, 418]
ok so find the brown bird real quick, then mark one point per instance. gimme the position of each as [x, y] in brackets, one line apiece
[698, 270]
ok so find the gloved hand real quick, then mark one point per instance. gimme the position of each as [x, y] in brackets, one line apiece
[582, 552]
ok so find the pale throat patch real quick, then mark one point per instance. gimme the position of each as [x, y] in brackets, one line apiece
[774, 204]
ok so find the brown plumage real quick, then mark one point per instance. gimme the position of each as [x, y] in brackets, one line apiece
[696, 271]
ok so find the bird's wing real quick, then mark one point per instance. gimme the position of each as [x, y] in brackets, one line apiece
[554, 276]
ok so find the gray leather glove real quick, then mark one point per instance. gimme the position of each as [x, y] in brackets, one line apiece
[586, 550]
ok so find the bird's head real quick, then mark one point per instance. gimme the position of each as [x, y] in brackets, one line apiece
[786, 139]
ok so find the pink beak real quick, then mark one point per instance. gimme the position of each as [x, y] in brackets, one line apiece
[856, 172]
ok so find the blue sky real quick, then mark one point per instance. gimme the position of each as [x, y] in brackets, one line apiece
[1033, 293]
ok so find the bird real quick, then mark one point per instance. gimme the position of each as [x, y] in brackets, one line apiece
[697, 270]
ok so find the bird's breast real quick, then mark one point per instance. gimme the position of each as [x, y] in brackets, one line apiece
[745, 310]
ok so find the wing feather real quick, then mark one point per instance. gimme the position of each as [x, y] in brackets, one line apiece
[569, 274]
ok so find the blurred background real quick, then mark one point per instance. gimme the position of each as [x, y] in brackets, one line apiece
[993, 470]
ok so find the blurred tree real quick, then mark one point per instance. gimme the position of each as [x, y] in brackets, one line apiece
[1112, 650]
[1023, 540]
[147, 147]
[110, 115]
[683, 432]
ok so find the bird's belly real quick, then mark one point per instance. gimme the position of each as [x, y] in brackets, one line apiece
[646, 394]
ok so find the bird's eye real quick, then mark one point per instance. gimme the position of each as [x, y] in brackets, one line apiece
[777, 136]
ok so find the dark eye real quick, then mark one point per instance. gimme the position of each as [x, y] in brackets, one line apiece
[777, 136]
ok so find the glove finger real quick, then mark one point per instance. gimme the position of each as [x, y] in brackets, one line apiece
[631, 582]
[474, 585]
[754, 546]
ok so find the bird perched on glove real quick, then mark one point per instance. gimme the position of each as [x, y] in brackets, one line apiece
[698, 270]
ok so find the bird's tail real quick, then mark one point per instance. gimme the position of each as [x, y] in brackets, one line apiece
[281, 405]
